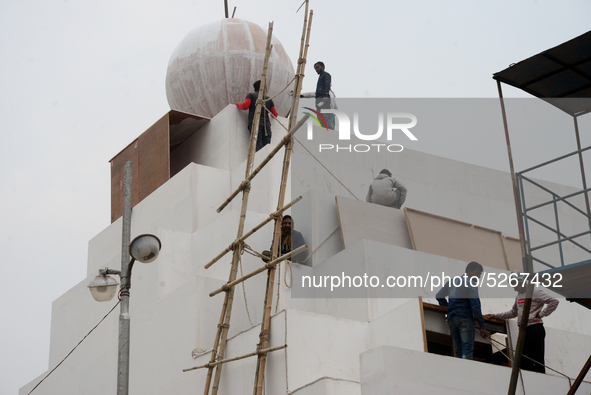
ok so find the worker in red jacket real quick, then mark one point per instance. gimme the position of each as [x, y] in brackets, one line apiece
[264, 136]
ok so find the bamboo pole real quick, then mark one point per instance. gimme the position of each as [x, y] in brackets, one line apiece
[267, 266]
[222, 332]
[265, 326]
[580, 377]
[250, 233]
[282, 143]
[252, 354]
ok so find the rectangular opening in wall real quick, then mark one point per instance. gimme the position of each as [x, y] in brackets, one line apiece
[438, 339]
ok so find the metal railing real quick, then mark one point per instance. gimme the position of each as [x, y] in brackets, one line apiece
[527, 213]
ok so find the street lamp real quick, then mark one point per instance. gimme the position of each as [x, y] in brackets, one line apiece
[144, 248]
[104, 287]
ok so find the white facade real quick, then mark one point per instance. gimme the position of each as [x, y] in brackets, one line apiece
[335, 346]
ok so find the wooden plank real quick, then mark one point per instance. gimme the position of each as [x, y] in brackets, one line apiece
[154, 157]
[463, 241]
[150, 154]
[422, 308]
[117, 163]
[412, 239]
[504, 249]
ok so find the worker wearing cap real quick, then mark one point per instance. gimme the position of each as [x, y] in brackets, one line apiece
[542, 305]
[250, 104]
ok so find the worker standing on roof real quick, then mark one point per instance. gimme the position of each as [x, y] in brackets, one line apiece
[535, 333]
[250, 103]
[463, 307]
[325, 97]
[386, 190]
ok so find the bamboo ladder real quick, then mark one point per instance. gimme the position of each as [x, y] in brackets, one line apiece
[217, 354]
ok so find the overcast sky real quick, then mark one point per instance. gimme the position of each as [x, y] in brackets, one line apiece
[80, 79]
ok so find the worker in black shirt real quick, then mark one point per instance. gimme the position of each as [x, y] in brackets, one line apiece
[250, 103]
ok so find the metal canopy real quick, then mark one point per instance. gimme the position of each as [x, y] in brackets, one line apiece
[573, 282]
[559, 75]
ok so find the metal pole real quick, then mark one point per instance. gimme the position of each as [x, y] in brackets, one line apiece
[527, 264]
[124, 319]
[583, 178]
[513, 177]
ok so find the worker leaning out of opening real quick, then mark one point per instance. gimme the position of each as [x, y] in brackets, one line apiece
[290, 240]
[386, 191]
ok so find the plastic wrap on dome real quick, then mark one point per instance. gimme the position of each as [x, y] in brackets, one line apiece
[216, 65]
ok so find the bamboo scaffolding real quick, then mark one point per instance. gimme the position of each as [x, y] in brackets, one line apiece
[282, 143]
[250, 233]
[265, 326]
[223, 326]
[267, 266]
[252, 354]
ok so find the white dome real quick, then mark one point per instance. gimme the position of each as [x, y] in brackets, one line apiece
[216, 64]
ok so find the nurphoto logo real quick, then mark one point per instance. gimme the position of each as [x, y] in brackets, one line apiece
[395, 122]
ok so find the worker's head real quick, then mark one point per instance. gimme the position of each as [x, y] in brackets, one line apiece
[257, 85]
[474, 269]
[319, 67]
[519, 279]
[386, 172]
[286, 224]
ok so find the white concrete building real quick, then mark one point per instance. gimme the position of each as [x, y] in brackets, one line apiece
[362, 341]
[357, 345]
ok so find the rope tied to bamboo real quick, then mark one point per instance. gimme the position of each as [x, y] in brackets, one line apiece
[288, 266]
[244, 247]
[276, 216]
[248, 249]
[236, 244]
[301, 61]
[286, 86]
[264, 337]
[246, 187]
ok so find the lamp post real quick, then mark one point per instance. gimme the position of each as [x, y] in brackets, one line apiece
[144, 248]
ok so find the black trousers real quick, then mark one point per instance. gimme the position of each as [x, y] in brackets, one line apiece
[262, 140]
[534, 348]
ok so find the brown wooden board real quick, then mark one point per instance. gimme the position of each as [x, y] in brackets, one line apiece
[463, 241]
[117, 164]
[154, 157]
[150, 155]
[421, 306]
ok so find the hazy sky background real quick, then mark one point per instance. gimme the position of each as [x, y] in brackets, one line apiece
[80, 79]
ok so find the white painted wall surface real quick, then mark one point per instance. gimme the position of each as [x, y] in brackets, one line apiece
[172, 314]
[392, 370]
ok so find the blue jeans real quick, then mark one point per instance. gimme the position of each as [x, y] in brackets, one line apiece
[462, 333]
